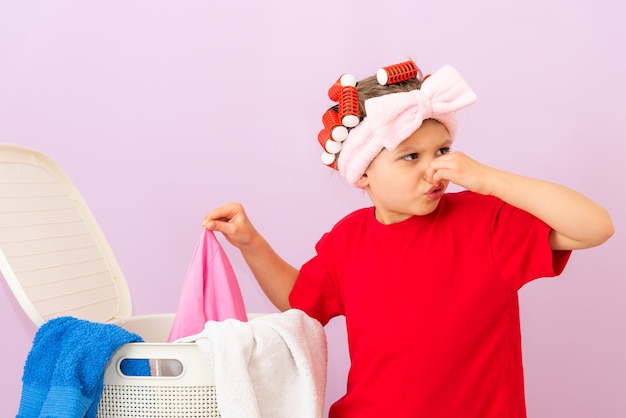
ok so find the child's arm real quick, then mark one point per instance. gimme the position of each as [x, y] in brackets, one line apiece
[576, 221]
[275, 276]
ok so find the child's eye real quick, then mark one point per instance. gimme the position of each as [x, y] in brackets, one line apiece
[411, 157]
[442, 151]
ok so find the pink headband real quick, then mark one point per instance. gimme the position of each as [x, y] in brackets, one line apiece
[392, 118]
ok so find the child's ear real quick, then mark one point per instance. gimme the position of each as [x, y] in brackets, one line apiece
[362, 182]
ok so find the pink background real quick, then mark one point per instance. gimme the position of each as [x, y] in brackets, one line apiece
[160, 111]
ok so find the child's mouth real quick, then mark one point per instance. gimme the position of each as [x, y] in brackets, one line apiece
[435, 193]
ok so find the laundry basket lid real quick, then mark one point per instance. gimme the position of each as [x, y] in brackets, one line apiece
[53, 254]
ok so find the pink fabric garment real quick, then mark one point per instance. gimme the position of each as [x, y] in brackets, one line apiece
[210, 290]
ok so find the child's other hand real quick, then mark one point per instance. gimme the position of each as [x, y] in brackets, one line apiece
[462, 170]
[231, 220]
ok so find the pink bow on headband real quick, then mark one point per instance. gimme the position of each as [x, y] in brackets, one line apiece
[394, 117]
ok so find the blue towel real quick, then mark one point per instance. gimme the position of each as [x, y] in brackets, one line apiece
[64, 371]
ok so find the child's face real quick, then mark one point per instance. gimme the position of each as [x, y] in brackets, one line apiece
[396, 181]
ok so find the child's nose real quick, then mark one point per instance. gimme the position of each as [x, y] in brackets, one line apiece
[429, 175]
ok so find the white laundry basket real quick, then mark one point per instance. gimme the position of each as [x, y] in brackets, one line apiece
[179, 386]
[57, 262]
[189, 394]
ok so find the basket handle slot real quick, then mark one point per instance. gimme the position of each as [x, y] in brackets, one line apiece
[161, 367]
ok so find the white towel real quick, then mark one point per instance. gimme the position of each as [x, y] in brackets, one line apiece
[272, 366]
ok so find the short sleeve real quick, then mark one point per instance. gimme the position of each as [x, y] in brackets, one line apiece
[316, 291]
[521, 247]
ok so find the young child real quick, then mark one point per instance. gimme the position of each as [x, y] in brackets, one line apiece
[427, 280]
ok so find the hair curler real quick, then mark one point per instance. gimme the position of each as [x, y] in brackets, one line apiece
[349, 107]
[333, 124]
[397, 73]
[328, 159]
[326, 141]
[334, 92]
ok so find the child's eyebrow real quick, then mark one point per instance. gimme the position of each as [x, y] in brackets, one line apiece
[415, 148]
[404, 149]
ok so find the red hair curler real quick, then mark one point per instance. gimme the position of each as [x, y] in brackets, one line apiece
[328, 159]
[349, 107]
[332, 123]
[334, 92]
[326, 141]
[397, 73]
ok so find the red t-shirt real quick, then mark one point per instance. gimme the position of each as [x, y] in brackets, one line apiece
[431, 307]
